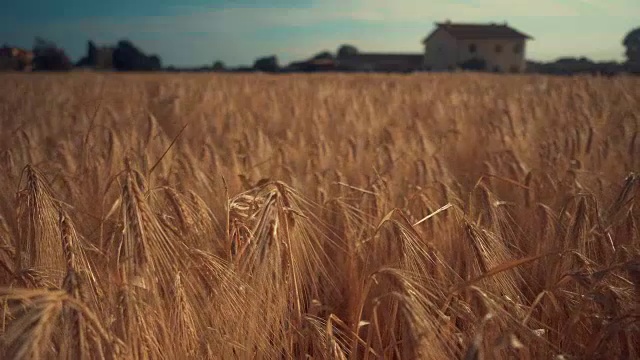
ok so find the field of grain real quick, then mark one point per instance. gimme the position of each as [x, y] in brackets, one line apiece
[434, 216]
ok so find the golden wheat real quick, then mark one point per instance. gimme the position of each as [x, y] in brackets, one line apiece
[435, 216]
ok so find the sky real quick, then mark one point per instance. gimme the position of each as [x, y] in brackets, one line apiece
[199, 32]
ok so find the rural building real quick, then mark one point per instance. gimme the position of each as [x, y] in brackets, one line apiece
[13, 58]
[381, 62]
[492, 47]
[104, 57]
[312, 65]
[98, 57]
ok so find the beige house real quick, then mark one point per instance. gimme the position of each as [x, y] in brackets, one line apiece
[493, 47]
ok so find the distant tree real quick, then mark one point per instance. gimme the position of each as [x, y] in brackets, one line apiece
[92, 53]
[218, 66]
[127, 57]
[632, 44]
[574, 66]
[48, 57]
[41, 44]
[323, 55]
[267, 64]
[153, 63]
[92, 56]
[347, 50]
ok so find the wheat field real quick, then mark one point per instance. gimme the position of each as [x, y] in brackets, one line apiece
[328, 216]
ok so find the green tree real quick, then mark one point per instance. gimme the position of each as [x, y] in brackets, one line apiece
[267, 64]
[632, 43]
[347, 50]
[47, 56]
[218, 66]
[323, 55]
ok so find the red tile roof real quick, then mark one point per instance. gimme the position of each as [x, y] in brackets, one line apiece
[479, 31]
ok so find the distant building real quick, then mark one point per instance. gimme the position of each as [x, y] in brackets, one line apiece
[122, 57]
[98, 57]
[13, 58]
[492, 47]
[381, 62]
[104, 57]
[312, 65]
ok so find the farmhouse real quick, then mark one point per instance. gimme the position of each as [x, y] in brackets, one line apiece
[493, 47]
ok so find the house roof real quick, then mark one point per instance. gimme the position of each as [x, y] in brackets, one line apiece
[479, 31]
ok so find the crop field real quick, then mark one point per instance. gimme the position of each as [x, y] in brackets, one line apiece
[327, 216]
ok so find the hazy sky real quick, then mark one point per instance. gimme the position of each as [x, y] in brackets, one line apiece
[194, 32]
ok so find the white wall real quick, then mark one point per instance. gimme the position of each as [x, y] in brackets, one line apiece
[507, 60]
[441, 51]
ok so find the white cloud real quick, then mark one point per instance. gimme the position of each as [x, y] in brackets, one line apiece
[475, 9]
[244, 20]
[416, 10]
[623, 8]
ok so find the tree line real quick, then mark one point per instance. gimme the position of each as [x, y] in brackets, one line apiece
[47, 56]
[125, 56]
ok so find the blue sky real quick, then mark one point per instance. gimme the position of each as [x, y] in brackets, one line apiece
[195, 32]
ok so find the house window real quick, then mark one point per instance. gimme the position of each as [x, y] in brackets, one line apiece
[498, 48]
[517, 49]
[472, 48]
